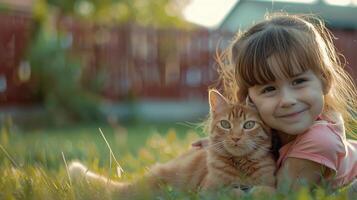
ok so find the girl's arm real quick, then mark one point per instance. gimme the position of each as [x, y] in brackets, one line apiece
[297, 172]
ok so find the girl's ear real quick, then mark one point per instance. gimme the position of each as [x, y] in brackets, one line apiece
[216, 101]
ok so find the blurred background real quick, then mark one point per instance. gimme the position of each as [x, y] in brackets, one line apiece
[137, 69]
[117, 62]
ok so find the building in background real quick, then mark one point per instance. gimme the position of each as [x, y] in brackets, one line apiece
[340, 14]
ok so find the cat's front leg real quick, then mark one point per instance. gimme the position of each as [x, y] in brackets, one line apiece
[214, 181]
[265, 184]
[237, 192]
[264, 176]
[208, 183]
[262, 191]
[267, 179]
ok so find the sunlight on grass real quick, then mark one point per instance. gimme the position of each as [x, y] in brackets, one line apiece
[34, 167]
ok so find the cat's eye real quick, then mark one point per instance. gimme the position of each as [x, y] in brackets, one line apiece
[249, 125]
[225, 124]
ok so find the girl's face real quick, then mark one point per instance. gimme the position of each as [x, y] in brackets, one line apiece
[290, 105]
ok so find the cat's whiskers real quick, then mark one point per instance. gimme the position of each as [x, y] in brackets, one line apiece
[254, 146]
[216, 146]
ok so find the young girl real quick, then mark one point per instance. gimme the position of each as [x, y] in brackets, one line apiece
[287, 67]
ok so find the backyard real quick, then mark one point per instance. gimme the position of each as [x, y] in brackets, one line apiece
[116, 84]
[33, 163]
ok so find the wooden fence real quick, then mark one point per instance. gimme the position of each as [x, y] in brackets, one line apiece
[148, 62]
[143, 62]
[14, 36]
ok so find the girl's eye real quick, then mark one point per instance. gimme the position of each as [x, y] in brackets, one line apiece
[225, 124]
[298, 81]
[267, 89]
[249, 125]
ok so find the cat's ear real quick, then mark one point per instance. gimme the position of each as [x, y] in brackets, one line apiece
[216, 100]
[250, 104]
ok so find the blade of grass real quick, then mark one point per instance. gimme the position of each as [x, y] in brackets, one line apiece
[65, 163]
[69, 177]
[119, 168]
[9, 157]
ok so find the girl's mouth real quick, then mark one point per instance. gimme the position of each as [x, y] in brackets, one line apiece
[294, 114]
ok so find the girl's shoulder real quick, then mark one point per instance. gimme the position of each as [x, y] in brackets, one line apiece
[334, 121]
[323, 136]
[321, 144]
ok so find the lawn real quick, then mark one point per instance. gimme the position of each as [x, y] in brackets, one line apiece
[33, 162]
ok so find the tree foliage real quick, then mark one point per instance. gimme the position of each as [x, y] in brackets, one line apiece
[160, 13]
[57, 73]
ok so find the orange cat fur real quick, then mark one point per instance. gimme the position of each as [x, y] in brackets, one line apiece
[238, 154]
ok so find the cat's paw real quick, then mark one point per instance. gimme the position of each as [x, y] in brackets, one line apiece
[260, 191]
[237, 192]
[77, 171]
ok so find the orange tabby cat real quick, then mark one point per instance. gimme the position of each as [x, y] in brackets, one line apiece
[238, 154]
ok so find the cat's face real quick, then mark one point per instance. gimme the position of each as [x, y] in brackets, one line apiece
[236, 129]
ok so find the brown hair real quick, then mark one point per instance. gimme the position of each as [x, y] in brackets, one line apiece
[296, 43]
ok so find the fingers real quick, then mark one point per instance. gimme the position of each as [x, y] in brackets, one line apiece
[201, 143]
[197, 144]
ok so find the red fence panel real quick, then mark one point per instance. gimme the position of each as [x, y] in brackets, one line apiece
[15, 73]
[346, 43]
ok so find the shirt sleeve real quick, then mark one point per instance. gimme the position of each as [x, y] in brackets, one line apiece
[319, 144]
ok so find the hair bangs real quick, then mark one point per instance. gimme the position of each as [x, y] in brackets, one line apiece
[272, 54]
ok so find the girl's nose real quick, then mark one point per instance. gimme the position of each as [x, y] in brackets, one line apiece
[287, 98]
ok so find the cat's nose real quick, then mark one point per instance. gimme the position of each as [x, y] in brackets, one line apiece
[235, 139]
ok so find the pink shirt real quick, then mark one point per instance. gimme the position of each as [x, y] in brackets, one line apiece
[326, 144]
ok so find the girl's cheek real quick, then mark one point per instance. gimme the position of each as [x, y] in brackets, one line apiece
[264, 114]
[265, 110]
[262, 104]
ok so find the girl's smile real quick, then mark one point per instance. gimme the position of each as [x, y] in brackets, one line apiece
[293, 116]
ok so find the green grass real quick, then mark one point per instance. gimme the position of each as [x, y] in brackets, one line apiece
[38, 169]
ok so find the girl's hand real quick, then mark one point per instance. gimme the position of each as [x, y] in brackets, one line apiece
[201, 143]
[352, 189]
